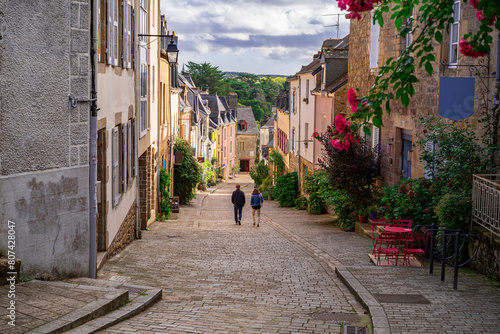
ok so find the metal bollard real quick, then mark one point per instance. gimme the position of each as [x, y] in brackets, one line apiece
[455, 273]
[443, 255]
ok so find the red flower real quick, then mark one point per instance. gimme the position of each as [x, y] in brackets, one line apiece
[468, 51]
[351, 98]
[340, 123]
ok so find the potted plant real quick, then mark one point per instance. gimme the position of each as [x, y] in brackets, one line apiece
[372, 211]
[362, 215]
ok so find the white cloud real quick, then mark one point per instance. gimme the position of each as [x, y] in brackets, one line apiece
[256, 36]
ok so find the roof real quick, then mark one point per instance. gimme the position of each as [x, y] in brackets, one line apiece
[337, 84]
[246, 114]
[268, 124]
[311, 67]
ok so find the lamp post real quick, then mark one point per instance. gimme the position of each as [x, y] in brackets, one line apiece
[172, 55]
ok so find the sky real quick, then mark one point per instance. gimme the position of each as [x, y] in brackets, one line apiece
[253, 36]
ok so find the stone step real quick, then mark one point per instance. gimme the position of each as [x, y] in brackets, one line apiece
[117, 303]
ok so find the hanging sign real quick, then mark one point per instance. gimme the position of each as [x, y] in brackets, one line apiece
[456, 97]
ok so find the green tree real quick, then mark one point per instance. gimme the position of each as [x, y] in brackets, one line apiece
[279, 164]
[206, 76]
[188, 175]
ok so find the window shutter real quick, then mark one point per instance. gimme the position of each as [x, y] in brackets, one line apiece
[374, 43]
[115, 32]
[428, 172]
[125, 156]
[102, 31]
[132, 37]
[134, 138]
[129, 152]
[120, 33]
[115, 165]
[109, 25]
[376, 136]
[126, 34]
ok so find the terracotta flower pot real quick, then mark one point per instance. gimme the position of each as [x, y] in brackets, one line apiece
[362, 219]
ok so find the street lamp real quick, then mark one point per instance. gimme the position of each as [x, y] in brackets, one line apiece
[172, 53]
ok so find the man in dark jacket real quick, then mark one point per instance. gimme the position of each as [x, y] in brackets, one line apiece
[238, 200]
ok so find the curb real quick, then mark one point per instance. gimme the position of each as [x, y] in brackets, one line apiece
[377, 312]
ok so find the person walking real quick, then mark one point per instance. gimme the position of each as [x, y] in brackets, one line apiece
[256, 202]
[238, 200]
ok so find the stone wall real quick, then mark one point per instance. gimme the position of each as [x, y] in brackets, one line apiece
[487, 260]
[44, 157]
[126, 233]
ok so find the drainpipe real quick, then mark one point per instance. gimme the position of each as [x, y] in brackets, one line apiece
[93, 146]
[137, 126]
[298, 135]
[496, 101]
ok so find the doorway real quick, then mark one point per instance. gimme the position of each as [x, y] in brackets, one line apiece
[244, 165]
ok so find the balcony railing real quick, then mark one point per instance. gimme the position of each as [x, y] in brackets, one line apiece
[486, 202]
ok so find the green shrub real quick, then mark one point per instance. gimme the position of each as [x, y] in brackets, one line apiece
[286, 189]
[259, 172]
[188, 175]
[165, 182]
[279, 164]
[342, 205]
[455, 210]
[316, 204]
[313, 184]
[414, 199]
[301, 202]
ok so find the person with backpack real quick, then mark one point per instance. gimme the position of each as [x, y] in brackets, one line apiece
[238, 200]
[256, 202]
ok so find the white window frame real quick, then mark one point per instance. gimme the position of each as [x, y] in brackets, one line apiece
[374, 42]
[409, 36]
[115, 163]
[455, 32]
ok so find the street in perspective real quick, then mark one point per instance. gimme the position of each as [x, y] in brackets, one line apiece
[218, 277]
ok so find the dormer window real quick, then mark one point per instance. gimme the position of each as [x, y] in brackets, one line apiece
[242, 126]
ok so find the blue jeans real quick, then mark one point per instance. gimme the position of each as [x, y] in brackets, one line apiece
[237, 210]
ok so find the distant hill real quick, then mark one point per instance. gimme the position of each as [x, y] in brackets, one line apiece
[235, 74]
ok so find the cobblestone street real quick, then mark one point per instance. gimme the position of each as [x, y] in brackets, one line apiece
[218, 277]
[222, 278]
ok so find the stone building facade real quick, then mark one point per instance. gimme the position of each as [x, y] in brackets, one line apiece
[373, 45]
[247, 135]
[44, 161]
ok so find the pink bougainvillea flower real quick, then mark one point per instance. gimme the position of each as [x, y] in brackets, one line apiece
[351, 98]
[357, 6]
[474, 3]
[480, 15]
[468, 51]
[340, 123]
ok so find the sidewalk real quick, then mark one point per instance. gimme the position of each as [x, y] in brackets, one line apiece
[399, 299]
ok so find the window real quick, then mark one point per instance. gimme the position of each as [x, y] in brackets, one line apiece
[224, 133]
[144, 90]
[127, 34]
[115, 166]
[225, 150]
[374, 41]
[129, 152]
[112, 32]
[124, 164]
[242, 146]
[454, 33]
[143, 26]
[231, 147]
[306, 132]
[293, 139]
[294, 99]
[409, 35]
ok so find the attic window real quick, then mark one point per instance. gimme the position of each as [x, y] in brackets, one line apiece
[243, 126]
